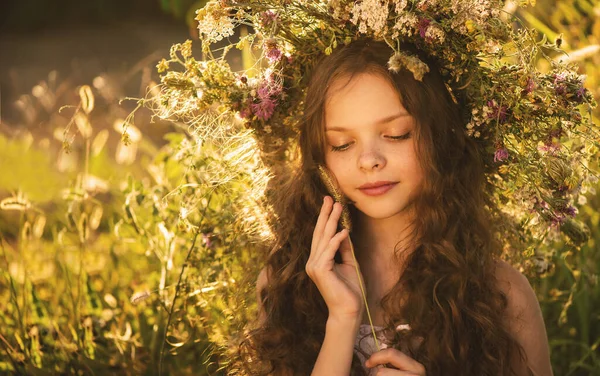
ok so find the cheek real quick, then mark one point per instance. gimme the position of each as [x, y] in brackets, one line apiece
[339, 166]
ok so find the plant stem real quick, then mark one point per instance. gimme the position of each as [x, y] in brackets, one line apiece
[364, 295]
[170, 317]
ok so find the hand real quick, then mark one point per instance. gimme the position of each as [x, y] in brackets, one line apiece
[337, 283]
[404, 364]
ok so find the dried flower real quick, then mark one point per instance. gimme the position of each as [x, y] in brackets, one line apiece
[330, 183]
[404, 61]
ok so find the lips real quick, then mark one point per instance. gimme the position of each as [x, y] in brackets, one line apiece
[377, 188]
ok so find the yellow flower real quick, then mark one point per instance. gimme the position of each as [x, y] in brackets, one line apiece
[186, 48]
[470, 25]
[162, 66]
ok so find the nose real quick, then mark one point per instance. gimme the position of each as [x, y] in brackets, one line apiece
[371, 160]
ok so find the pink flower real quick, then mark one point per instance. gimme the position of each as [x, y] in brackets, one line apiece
[423, 26]
[274, 55]
[500, 155]
[499, 113]
[530, 86]
[268, 17]
[264, 109]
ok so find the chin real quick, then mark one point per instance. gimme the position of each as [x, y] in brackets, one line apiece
[383, 210]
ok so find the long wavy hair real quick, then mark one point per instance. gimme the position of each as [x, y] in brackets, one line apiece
[447, 292]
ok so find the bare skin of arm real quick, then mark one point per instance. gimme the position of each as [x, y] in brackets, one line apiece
[336, 352]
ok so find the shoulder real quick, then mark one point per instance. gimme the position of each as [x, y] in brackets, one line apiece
[519, 293]
[523, 318]
[263, 279]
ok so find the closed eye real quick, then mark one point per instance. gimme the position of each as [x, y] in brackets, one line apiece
[403, 137]
[340, 148]
[346, 146]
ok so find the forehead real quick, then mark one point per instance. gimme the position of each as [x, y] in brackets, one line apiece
[363, 99]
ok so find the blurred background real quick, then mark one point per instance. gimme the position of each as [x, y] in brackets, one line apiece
[115, 250]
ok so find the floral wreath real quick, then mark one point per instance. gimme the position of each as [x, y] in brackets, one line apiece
[535, 128]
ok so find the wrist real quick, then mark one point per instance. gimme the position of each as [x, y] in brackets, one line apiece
[343, 322]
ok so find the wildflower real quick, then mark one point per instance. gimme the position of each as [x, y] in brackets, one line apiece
[423, 26]
[400, 5]
[529, 86]
[214, 23]
[559, 83]
[497, 112]
[406, 24]
[245, 112]
[264, 109]
[274, 55]
[435, 34]
[570, 211]
[268, 17]
[401, 60]
[370, 14]
[580, 93]
[186, 48]
[206, 240]
[162, 66]
[500, 155]
[470, 26]
[550, 147]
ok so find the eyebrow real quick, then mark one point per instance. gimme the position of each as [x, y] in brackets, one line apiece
[384, 120]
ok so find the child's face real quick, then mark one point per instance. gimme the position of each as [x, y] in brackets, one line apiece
[370, 139]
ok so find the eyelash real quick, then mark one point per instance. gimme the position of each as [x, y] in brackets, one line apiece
[395, 138]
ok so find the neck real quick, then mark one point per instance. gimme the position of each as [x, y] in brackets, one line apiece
[384, 242]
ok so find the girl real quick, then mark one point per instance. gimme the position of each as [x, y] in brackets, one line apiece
[440, 299]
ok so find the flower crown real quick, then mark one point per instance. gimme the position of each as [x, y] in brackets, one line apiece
[537, 139]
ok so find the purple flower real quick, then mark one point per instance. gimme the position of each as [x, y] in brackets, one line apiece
[570, 211]
[274, 55]
[268, 17]
[557, 220]
[264, 109]
[206, 240]
[530, 86]
[550, 147]
[499, 113]
[581, 93]
[423, 26]
[268, 89]
[500, 155]
[559, 84]
[246, 112]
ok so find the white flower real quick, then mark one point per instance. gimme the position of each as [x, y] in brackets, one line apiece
[477, 12]
[400, 5]
[214, 23]
[370, 14]
[407, 24]
[435, 33]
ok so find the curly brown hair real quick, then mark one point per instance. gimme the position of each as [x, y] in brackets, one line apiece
[447, 292]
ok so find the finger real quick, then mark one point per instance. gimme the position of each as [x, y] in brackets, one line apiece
[397, 359]
[334, 244]
[331, 225]
[322, 220]
[346, 252]
[393, 372]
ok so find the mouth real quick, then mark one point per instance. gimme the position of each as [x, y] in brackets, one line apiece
[377, 188]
